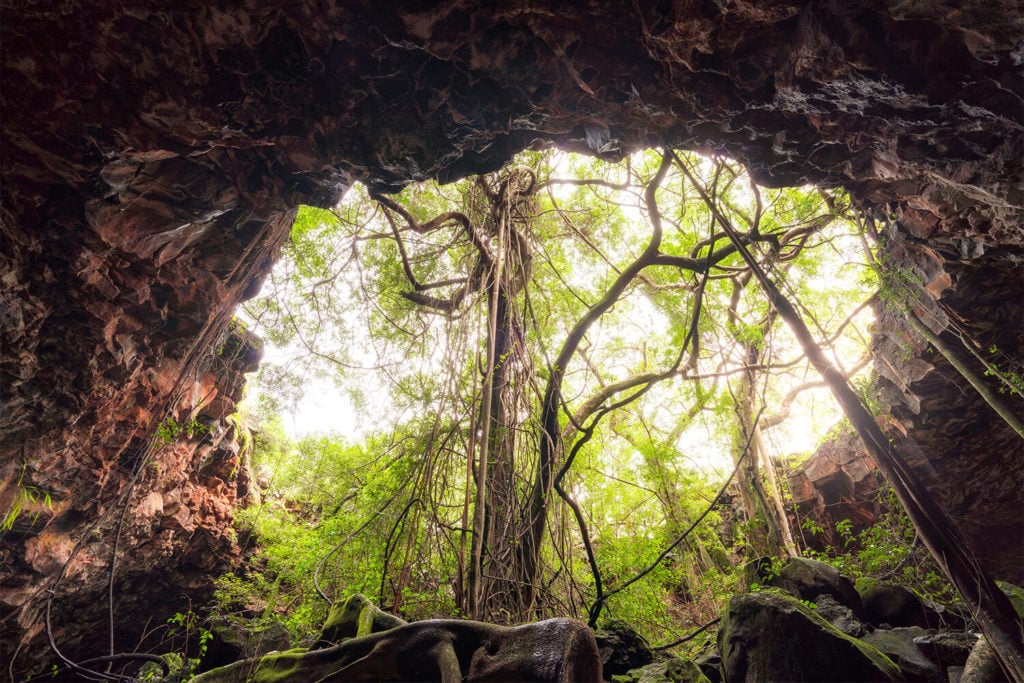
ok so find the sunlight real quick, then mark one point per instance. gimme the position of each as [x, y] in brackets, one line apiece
[380, 317]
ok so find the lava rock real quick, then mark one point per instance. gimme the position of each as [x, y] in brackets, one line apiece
[710, 663]
[622, 649]
[771, 636]
[948, 648]
[889, 605]
[235, 640]
[840, 616]
[808, 579]
[900, 646]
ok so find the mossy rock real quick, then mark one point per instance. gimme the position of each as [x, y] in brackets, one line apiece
[771, 636]
[355, 617]
[890, 605]
[1016, 595]
[235, 639]
[807, 579]
[670, 669]
[674, 670]
[622, 648]
[899, 645]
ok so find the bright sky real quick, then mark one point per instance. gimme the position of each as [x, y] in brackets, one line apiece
[326, 408]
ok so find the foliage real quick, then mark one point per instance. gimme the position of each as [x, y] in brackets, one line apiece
[884, 546]
[189, 641]
[1012, 382]
[171, 429]
[26, 498]
[450, 315]
[898, 286]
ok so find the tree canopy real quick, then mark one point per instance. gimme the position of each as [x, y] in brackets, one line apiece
[556, 369]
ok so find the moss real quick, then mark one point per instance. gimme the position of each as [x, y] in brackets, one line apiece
[898, 644]
[344, 619]
[364, 624]
[770, 619]
[280, 666]
[355, 618]
[880, 659]
[1016, 595]
[676, 670]
[865, 583]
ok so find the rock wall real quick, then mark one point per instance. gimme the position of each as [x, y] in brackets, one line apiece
[838, 482]
[965, 453]
[151, 159]
[162, 516]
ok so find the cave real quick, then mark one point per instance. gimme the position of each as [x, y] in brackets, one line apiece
[152, 161]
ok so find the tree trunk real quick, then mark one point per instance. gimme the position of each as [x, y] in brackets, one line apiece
[775, 495]
[999, 621]
[768, 526]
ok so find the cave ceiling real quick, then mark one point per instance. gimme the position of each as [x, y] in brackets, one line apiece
[152, 160]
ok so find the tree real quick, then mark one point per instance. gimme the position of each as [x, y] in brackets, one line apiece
[526, 326]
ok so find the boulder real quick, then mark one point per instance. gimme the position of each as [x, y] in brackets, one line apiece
[710, 663]
[900, 646]
[670, 669]
[759, 571]
[1016, 595]
[889, 605]
[808, 579]
[947, 648]
[840, 616]
[622, 648]
[771, 636]
[237, 639]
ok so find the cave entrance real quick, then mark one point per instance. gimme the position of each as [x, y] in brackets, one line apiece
[152, 160]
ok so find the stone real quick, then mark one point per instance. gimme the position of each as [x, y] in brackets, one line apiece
[808, 579]
[236, 639]
[941, 413]
[622, 648]
[178, 535]
[947, 648]
[771, 636]
[710, 663]
[888, 605]
[839, 482]
[669, 670]
[899, 644]
[840, 616]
